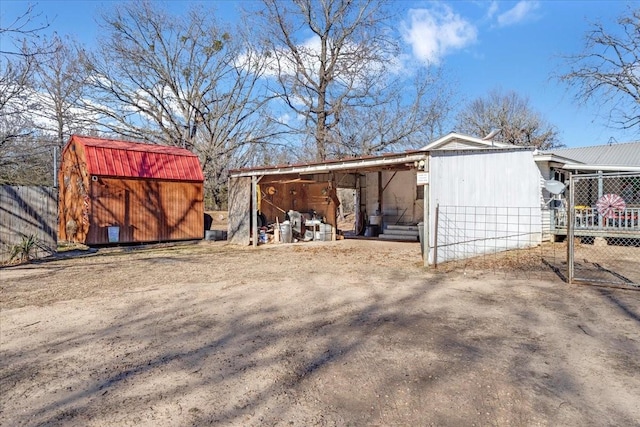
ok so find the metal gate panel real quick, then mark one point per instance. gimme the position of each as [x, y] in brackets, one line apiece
[603, 229]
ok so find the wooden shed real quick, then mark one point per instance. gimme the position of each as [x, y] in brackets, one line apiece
[126, 192]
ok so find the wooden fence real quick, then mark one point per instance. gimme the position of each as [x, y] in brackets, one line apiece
[28, 211]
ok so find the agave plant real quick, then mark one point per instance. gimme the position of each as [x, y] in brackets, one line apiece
[26, 249]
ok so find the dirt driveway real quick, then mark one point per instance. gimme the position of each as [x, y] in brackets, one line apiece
[322, 333]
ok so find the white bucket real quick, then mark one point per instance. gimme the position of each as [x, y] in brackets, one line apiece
[375, 219]
[114, 234]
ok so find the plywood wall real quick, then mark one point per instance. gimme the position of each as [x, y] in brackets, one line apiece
[239, 211]
[278, 198]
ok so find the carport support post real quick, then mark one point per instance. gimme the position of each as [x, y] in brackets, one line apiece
[254, 210]
[427, 223]
[571, 217]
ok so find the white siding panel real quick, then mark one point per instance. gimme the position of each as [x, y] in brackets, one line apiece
[399, 197]
[497, 178]
[398, 203]
[502, 179]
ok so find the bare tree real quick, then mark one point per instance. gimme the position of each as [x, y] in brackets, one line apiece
[407, 115]
[336, 68]
[60, 82]
[18, 54]
[519, 124]
[607, 70]
[15, 83]
[23, 159]
[22, 33]
[179, 80]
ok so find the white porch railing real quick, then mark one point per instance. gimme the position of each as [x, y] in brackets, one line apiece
[590, 219]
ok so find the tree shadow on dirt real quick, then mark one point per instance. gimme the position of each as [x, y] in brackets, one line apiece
[412, 347]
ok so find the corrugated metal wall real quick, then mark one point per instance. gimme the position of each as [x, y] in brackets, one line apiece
[484, 178]
[508, 179]
[26, 211]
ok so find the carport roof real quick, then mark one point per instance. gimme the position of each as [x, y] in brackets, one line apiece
[356, 163]
[451, 144]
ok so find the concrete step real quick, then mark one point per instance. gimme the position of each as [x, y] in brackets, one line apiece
[401, 232]
[402, 227]
[403, 237]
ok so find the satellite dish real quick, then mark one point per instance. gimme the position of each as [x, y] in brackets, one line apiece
[554, 187]
[491, 135]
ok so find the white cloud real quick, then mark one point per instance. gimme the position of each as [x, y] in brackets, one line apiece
[518, 13]
[434, 33]
[493, 8]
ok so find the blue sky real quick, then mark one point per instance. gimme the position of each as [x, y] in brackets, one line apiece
[482, 45]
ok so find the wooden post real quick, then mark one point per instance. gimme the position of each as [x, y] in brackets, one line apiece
[427, 217]
[254, 210]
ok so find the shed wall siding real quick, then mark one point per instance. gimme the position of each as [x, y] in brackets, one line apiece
[145, 210]
[484, 179]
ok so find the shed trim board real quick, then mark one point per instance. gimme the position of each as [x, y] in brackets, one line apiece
[455, 141]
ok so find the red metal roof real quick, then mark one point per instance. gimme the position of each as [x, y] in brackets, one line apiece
[108, 157]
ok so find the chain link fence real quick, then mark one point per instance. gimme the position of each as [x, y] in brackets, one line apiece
[603, 229]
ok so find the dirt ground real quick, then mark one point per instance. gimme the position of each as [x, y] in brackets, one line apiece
[322, 333]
